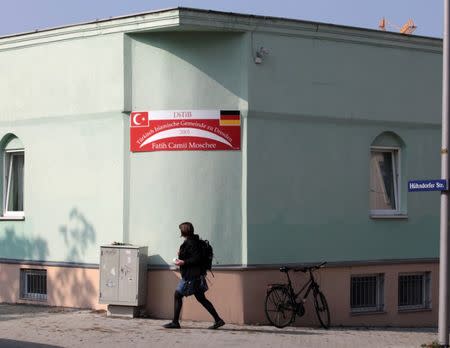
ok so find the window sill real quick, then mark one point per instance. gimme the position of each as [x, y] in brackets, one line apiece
[12, 218]
[389, 217]
[374, 312]
[413, 310]
[31, 300]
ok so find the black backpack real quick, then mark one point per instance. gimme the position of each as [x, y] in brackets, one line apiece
[207, 256]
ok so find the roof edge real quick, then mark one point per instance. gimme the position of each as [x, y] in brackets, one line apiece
[236, 14]
[303, 21]
[146, 21]
[90, 22]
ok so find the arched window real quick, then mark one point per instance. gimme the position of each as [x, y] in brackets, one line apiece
[13, 176]
[385, 174]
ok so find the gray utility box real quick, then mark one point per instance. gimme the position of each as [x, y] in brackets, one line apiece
[123, 278]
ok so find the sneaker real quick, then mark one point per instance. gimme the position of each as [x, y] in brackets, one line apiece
[217, 324]
[172, 325]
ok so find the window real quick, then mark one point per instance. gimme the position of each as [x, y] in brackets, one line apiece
[367, 293]
[386, 189]
[33, 284]
[14, 163]
[13, 177]
[384, 180]
[414, 291]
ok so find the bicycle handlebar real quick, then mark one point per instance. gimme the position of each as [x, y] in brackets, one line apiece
[310, 268]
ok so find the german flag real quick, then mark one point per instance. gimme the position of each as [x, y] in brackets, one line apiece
[230, 118]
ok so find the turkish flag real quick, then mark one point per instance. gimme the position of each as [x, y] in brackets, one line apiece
[139, 119]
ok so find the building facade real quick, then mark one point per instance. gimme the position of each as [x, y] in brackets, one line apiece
[334, 121]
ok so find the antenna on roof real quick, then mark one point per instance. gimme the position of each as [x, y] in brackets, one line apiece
[408, 28]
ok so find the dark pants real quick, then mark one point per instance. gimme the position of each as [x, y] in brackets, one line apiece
[200, 297]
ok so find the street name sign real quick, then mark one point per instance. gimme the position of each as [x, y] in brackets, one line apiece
[427, 185]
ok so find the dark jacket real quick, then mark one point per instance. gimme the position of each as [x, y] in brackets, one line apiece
[191, 254]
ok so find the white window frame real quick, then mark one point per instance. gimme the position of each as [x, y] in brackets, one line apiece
[396, 167]
[6, 184]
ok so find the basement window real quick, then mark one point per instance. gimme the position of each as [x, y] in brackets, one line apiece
[33, 284]
[367, 293]
[414, 291]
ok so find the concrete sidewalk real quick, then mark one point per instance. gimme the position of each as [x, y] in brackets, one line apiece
[35, 326]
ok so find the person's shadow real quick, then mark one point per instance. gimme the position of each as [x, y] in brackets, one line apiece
[4, 343]
[255, 331]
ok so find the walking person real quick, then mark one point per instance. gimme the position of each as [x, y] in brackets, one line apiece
[192, 282]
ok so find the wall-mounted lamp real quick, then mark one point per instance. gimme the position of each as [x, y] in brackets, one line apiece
[261, 53]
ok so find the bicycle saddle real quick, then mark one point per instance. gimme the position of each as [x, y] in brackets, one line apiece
[284, 269]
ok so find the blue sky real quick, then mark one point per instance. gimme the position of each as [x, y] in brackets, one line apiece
[27, 15]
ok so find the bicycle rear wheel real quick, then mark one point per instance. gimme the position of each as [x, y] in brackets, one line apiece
[322, 310]
[279, 309]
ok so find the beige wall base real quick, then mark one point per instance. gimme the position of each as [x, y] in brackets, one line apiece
[238, 295]
[335, 284]
[66, 286]
[225, 292]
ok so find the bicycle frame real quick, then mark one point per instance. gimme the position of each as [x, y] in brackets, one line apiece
[283, 305]
[310, 285]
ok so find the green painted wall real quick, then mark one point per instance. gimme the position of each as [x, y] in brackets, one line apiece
[298, 190]
[71, 77]
[308, 152]
[312, 203]
[187, 70]
[345, 80]
[73, 188]
[64, 101]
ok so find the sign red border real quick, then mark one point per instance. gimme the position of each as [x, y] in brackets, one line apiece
[185, 130]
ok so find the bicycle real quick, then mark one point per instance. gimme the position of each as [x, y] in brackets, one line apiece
[281, 305]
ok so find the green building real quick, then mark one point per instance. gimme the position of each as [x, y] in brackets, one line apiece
[334, 121]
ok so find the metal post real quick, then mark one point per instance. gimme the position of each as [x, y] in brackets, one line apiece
[444, 260]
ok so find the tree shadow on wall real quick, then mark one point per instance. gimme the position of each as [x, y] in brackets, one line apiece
[75, 285]
[17, 247]
[78, 235]
[13, 246]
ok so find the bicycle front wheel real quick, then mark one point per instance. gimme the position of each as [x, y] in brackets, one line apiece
[279, 309]
[322, 310]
